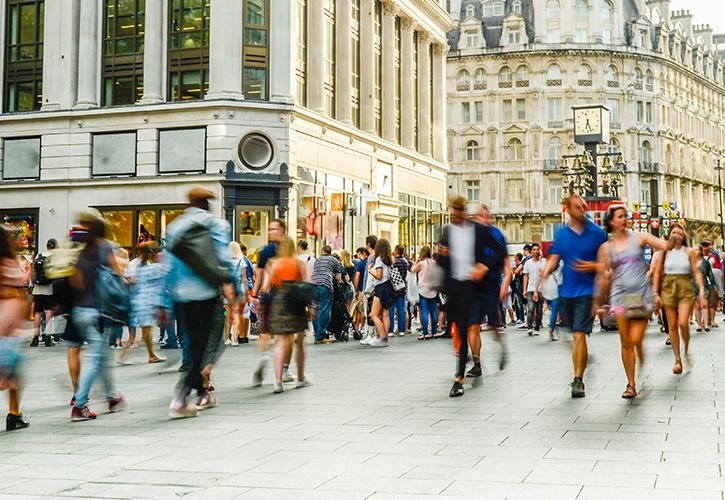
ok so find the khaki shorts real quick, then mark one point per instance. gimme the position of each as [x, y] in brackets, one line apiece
[677, 290]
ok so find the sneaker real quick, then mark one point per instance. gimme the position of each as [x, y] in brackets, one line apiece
[278, 388]
[227, 342]
[303, 383]
[81, 414]
[72, 401]
[15, 422]
[531, 333]
[522, 326]
[379, 342]
[185, 367]
[577, 388]
[118, 347]
[48, 341]
[475, 372]
[116, 404]
[206, 401]
[401, 334]
[35, 341]
[258, 376]
[185, 411]
[170, 346]
[244, 340]
[234, 343]
[456, 390]
[287, 377]
[366, 340]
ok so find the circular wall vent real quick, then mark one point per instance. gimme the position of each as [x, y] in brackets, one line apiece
[256, 151]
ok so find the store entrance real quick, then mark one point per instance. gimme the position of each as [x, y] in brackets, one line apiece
[251, 225]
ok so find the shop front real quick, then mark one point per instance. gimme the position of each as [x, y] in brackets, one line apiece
[23, 227]
[131, 226]
[419, 223]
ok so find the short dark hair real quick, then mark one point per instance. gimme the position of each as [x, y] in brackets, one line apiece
[371, 241]
[52, 243]
[326, 250]
[535, 245]
[243, 247]
[302, 244]
[361, 249]
[399, 250]
[519, 256]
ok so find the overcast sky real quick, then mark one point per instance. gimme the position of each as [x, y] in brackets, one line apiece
[710, 12]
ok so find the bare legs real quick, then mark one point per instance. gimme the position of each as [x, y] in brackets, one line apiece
[283, 353]
[74, 366]
[677, 318]
[146, 334]
[380, 318]
[580, 354]
[631, 333]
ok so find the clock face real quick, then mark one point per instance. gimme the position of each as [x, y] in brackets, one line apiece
[587, 122]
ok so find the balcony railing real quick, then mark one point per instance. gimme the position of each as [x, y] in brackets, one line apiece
[584, 83]
[553, 83]
[649, 167]
[522, 83]
[637, 85]
[555, 124]
[505, 85]
[554, 165]
[650, 87]
[463, 87]
[613, 84]
[615, 125]
[479, 86]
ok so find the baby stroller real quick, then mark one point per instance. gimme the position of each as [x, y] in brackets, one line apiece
[340, 319]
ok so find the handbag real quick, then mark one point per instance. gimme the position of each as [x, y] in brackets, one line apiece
[113, 293]
[397, 279]
[195, 248]
[635, 307]
[300, 295]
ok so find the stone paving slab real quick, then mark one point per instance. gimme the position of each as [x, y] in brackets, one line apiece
[378, 424]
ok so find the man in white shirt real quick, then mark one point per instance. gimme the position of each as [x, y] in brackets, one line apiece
[532, 274]
[304, 256]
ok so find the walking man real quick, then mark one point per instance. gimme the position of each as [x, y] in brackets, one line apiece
[326, 269]
[576, 244]
[532, 275]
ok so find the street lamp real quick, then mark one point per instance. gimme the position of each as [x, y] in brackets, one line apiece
[719, 185]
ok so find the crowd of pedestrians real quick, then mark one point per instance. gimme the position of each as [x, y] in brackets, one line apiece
[202, 292]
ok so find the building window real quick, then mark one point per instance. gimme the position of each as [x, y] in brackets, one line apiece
[463, 80]
[479, 111]
[470, 11]
[329, 44]
[255, 53]
[517, 7]
[612, 77]
[553, 149]
[188, 49]
[613, 105]
[479, 79]
[582, 10]
[553, 21]
[466, 112]
[24, 55]
[507, 108]
[585, 76]
[473, 190]
[514, 37]
[522, 76]
[471, 39]
[514, 149]
[114, 154]
[21, 158]
[398, 78]
[498, 9]
[301, 62]
[515, 189]
[553, 76]
[553, 105]
[123, 44]
[521, 109]
[182, 150]
[505, 78]
[473, 151]
[378, 48]
[555, 191]
[645, 152]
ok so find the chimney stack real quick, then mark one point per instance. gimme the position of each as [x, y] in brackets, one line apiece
[684, 17]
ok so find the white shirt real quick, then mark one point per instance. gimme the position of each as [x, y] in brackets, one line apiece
[533, 270]
[462, 241]
[309, 261]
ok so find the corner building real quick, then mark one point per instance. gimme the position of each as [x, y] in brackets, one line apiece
[516, 68]
[327, 113]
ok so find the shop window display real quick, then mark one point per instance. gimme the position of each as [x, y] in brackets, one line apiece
[129, 227]
[252, 227]
[23, 228]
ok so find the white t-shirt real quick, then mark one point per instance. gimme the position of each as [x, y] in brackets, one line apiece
[462, 248]
[534, 270]
[309, 261]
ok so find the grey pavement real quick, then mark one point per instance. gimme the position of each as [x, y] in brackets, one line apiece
[378, 424]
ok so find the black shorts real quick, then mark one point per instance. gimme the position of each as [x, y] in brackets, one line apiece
[577, 313]
[484, 308]
[385, 293]
[42, 302]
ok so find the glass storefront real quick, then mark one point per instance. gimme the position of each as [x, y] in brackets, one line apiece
[252, 224]
[420, 223]
[23, 227]
[131, 226]
[331, 210]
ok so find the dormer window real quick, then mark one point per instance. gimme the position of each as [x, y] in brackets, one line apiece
[471, 39]
[514, 37]
[517, 7]
[470, 11]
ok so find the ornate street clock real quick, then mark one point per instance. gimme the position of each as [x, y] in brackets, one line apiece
[591, 124]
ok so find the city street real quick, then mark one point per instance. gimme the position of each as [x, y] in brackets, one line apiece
[378, 424]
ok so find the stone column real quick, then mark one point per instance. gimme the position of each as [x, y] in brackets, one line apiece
[88, 47]
[440, 51]
[407, 27]
[390, 11]
[343, 67]
[567, 21]
[367, 65]
[154, 66]
[225, 50]
[282, 51]
[60, 57]
[315, 55]
[424, 95]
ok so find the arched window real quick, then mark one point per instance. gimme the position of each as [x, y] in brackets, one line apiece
[585, 75]
[473, 151]
[612, 77]
[668, 155]
[517, 7]
[645, 152]
[613, 146]
[479, 79]
[515, 149]
[553, 10]
[554, 149]
[463, 80]
[553, 72]
[582, 10]
[637, 75]
[522, 75]
[607, 12]
[649, 80]
[505, 77]
[470, 11]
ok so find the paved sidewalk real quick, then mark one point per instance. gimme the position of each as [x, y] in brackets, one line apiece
[379, 424]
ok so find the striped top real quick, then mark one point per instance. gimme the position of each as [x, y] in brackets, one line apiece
[324, 271]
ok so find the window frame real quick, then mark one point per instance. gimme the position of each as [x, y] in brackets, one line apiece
[189, 60]
[256, 56]
[128, 64]
[20, 71]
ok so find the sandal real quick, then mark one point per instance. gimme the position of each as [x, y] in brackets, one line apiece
[629, 393]
[429, 337]
[422, 337]
[677, 369]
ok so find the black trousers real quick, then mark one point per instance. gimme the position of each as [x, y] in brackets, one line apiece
[203, 322]
[460, 296]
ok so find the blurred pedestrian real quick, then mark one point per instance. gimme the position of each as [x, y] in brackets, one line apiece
[324, 272]
[42, 296]
[398, 309]
[233, 311]
[383, 291]
[427, 294]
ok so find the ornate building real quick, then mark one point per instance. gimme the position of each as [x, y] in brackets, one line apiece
[516, 68]
[329, 113]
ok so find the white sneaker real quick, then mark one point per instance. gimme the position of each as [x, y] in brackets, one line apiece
[258, 376]
[227, 342]
[234, 343]
[379, 342]
[287, 377]
[401, 334]
[366, 340]
[278, 388]
[303, 383]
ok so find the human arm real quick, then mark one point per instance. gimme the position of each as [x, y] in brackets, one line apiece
[698, 276]
[551, 264]
[526, 283]
[655, 270]
[601, 280]
[657, 244]
[506, 283]
[416, 266]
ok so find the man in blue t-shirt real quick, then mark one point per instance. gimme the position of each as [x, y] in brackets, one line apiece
[577, 245]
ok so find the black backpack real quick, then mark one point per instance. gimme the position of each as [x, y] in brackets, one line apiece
[39, 270]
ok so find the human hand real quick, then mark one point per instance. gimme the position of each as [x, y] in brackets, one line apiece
[536, 296]
[479, 272]
[583, 266]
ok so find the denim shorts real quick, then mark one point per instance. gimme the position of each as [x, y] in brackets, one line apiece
[577, 313]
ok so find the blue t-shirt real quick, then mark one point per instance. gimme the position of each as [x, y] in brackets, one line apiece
[267, 253]
[496, 274]
[570, 247]
[361, 268]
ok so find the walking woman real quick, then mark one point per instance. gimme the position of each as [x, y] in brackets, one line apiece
[673, 290]
[12, 310]
[290, 298]
[232, 312]
[630, 290]
[349, 277]
[426, 292]
[383, 294]
[702, 314]
[148, 280]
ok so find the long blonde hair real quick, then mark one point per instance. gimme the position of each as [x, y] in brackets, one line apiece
[235, 250]
[346, 259]
[286, 248]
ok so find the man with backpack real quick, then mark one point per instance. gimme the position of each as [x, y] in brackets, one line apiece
[42, 296]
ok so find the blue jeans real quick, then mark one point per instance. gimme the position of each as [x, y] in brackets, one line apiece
[324, 311]
[170, 331]
[554, 307]
[398, 305]
[181, 336]
[97, 360]
[428, 306]
[115, 334]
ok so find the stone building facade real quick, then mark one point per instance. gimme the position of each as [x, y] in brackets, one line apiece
[516, 68]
